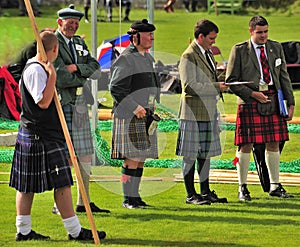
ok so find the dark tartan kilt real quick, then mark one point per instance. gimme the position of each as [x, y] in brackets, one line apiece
[198, 139]
[130, 139]
[251, 127]
[79, 129]
[39, 165]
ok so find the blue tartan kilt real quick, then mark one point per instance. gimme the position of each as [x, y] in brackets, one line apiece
[39, 165]
[198, 139]
[130, 139]
[79, 127]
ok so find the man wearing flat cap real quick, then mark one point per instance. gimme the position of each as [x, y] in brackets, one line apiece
[135, 89]
[74, 65]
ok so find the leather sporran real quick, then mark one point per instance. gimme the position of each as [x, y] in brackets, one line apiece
[267, 109]
[152, 122]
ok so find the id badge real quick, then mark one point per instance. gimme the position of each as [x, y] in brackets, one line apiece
[263, 86]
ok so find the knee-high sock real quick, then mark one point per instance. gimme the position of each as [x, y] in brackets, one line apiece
[86, 9]
[242, 167]
[272, 162]
[137, 181]
[72, 226]
[85, 170]
[127, 183]
[203, 172]
[23, 224]
[127, 9]
[188, 171]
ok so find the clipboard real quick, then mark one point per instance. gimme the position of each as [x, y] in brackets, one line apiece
[238, 83]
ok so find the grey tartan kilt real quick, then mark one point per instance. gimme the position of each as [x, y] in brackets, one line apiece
[198, 139]
[79, 128]
[39, 165]
[130, 139]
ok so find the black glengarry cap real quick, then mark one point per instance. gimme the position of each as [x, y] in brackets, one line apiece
[141, 26]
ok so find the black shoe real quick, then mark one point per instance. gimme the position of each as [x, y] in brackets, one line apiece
[197, 199]
[131, 205]
[280, 192]
[86, 235]
[31, 236]
[94, 209]
[244, 194]
[212, 197]
[126, 19]
[141, 203]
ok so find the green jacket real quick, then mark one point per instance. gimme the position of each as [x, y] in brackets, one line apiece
[243, 66]
[199, 89]
[88, 66]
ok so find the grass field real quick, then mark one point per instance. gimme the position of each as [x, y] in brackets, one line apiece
[263, 222]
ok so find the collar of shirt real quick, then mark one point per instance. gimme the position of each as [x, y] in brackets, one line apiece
[201, 48]
[203, 52]
[257, 52]
[65, 38]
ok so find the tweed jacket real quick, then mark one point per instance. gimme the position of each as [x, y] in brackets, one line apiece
[199, 87]
[88, 66]
[243, 66]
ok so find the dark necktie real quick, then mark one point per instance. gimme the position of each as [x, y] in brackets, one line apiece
[71, 47]
[213, 69]
[209, 61]
[264, 65]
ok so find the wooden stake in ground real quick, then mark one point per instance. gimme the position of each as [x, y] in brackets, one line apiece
[65, 130]
[216, 8]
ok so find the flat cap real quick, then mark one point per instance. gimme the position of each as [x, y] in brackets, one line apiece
[70, 12]
[141, 26]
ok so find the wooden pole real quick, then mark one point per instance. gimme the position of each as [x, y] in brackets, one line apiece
[216, 8]
[65, 129]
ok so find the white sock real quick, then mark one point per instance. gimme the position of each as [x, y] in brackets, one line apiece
[23, 224]
[72, 226]
[85, 170]
[272, 162]
[242, 167]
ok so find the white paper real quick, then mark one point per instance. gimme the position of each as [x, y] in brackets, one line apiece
[238, 83]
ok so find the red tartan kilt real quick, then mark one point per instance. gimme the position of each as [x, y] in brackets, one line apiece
[251, 127]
